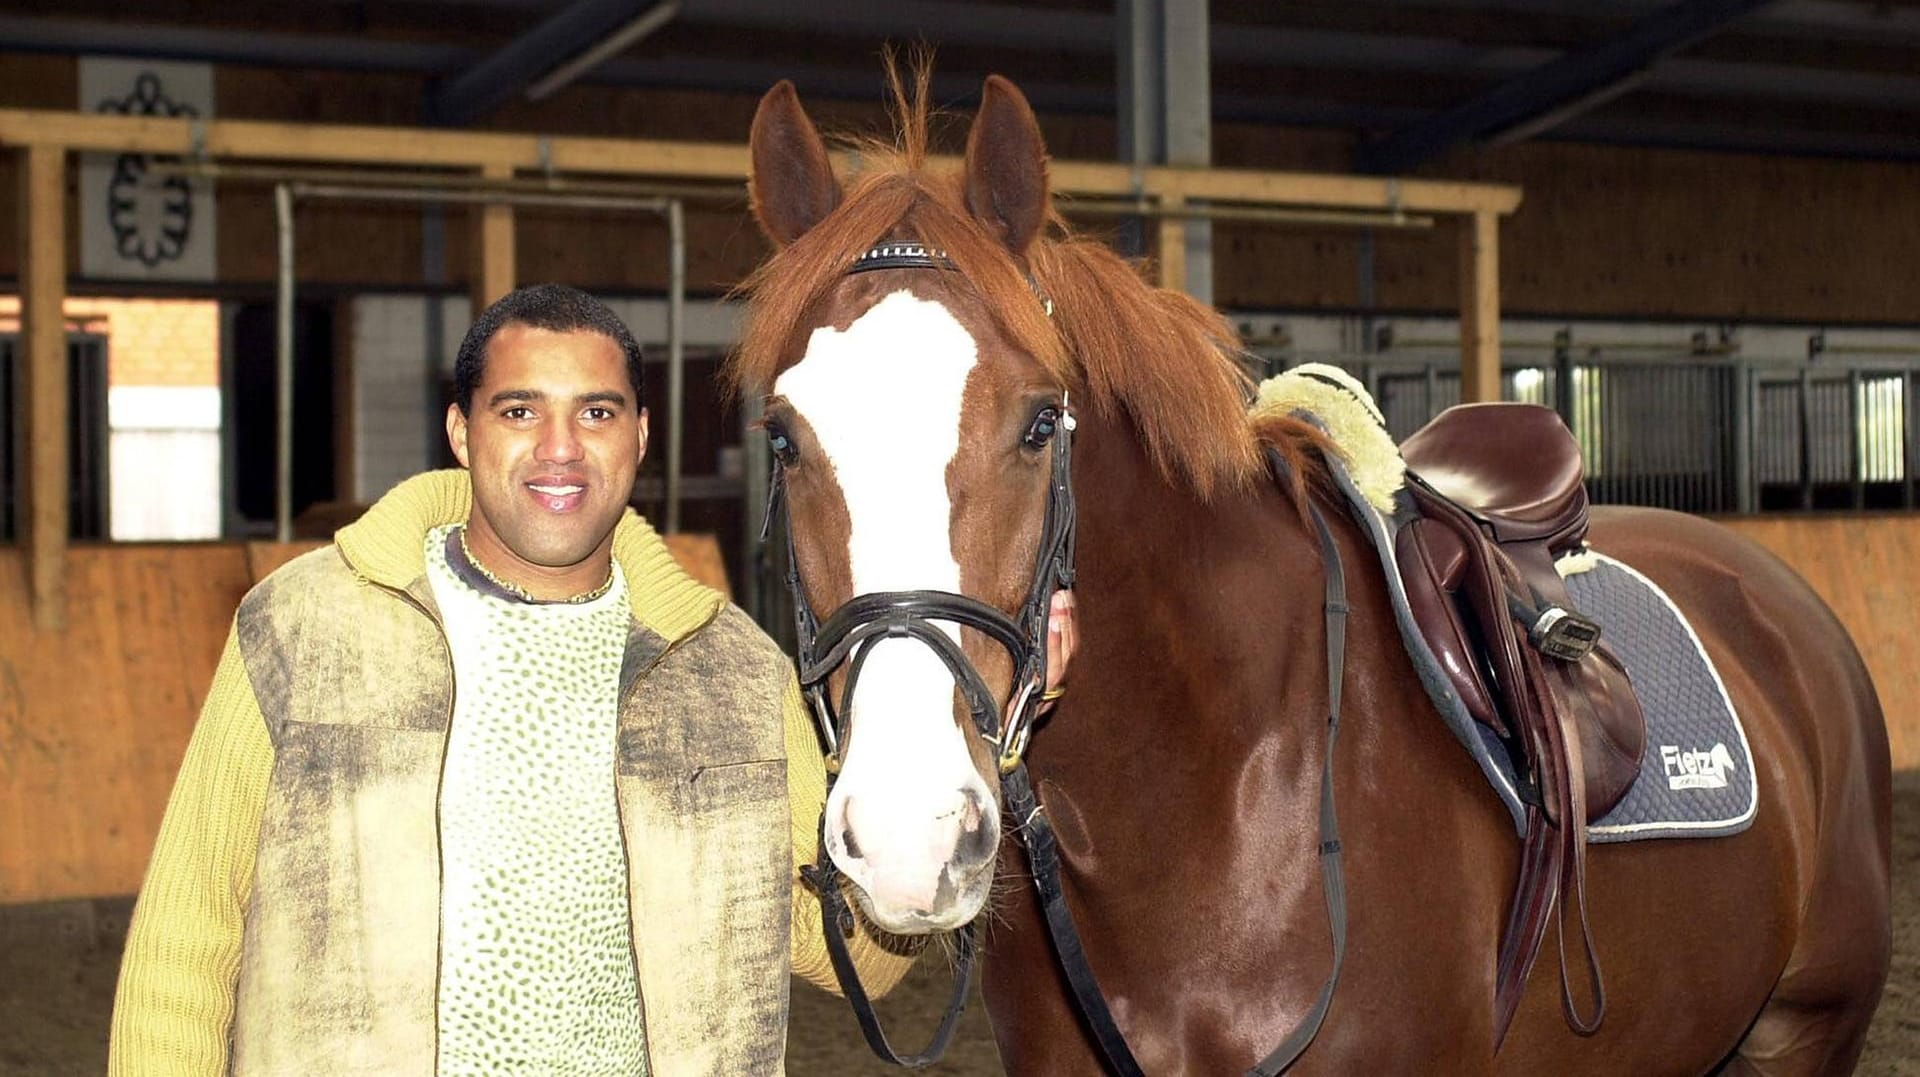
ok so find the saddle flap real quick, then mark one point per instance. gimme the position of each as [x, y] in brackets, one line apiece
[1614, 737]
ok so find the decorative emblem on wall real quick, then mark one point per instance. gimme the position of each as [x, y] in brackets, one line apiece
[151, 215]
[139, 220]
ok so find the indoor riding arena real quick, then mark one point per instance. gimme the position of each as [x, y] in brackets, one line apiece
[245, 242]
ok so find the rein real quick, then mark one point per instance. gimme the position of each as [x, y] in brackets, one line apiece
[847, 637]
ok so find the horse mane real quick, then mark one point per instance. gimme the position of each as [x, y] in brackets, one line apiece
[1156, 355]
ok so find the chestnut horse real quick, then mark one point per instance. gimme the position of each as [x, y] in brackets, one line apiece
[914, 407]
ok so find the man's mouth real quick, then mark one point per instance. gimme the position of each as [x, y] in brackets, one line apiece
[558, 496]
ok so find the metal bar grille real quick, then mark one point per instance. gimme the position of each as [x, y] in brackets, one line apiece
[1709, 434]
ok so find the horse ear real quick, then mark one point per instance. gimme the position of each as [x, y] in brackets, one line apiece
[1007, 166]
[792, 185]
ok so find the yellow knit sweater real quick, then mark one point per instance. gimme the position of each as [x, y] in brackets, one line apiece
[175, 1003]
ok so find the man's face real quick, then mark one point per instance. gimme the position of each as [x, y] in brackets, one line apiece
[554, 441]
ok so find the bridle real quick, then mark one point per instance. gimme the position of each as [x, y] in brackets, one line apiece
[850, 633]
[848, 636]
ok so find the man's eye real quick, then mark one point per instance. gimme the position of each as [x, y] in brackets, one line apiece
[517, 413]
[599, 414]
[1045, 423]
[782, 444]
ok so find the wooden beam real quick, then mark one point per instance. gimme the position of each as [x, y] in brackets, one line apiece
[43, 331]
[1479, 308]
[1316, 189]
[427, 148]
[1171, 247]
[493, 274]
[344, 144]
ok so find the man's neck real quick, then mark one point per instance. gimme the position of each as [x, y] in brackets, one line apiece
[536, 583]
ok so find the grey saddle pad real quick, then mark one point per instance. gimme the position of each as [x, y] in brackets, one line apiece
[1696, 778]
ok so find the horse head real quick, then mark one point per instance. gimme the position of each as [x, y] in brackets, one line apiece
[912, 433]
[923, 345]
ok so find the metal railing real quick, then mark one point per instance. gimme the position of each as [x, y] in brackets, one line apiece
[1709, 433]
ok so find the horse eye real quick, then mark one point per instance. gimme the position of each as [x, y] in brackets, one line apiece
[1045, 422]
[782, 445]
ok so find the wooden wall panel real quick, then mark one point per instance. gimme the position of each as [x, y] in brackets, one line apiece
[264, 557]
[94, 720]
[1606, 230]
[700, 555]
[1863, 567]
[375, 245]
[33, 80]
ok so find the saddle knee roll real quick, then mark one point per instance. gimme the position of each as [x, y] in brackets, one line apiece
[1433, 562]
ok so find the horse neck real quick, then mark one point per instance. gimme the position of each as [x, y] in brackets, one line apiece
[1188, 599]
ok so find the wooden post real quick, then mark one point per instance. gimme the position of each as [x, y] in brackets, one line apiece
[43, 365]
[492, 246]
[1173, 244]
[1480, 307]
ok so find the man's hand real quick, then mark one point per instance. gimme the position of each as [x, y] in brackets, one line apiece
[1061, 639]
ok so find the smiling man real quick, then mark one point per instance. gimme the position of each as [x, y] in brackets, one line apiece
[490, 785]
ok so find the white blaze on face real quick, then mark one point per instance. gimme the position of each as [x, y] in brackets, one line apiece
[883, 400]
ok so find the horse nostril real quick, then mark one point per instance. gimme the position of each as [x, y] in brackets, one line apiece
[976, 836]
[975, 845]
[851, 846]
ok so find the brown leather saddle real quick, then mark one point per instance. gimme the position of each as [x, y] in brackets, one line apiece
[1498, 488]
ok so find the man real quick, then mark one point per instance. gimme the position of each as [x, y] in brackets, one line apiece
[490, 785]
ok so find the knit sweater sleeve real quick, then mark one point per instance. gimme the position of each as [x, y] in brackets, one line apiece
[174, 1007]
[882, 959]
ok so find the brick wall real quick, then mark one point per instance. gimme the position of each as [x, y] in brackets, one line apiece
[151, 341]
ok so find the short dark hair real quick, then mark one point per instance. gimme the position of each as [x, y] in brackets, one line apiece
[555, 307]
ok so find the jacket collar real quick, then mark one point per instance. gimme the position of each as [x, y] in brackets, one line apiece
[387, 546]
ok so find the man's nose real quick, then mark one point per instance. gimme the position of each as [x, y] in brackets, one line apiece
[559, 442]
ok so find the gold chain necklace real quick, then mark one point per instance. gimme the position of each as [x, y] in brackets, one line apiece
[520, 592]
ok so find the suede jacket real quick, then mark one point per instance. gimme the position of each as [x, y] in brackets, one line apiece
[333, 954]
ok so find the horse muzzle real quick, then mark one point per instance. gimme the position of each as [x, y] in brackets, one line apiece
[920, 862]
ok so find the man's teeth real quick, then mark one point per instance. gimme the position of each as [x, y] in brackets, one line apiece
[556, 491]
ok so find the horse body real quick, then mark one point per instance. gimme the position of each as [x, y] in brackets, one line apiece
[1182, 775]
[1182, 770]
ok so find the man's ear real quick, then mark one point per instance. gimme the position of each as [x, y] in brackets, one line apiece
[641, 457]
[457, 433]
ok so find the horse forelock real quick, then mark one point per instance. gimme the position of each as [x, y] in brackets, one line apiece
[1156, 357]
